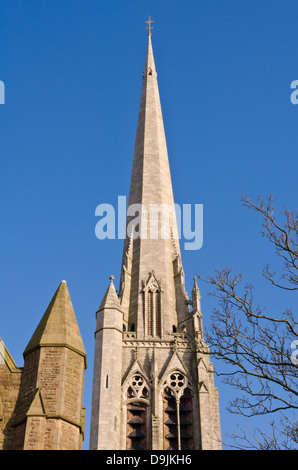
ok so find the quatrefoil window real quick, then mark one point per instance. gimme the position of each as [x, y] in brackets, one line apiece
[177, 380]
[177, 383]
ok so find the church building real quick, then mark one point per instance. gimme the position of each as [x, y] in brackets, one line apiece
[153, 384]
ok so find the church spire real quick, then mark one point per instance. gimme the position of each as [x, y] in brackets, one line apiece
[147, 391]
[151, 191]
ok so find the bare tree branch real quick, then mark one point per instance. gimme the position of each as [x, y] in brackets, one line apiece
[255, 345]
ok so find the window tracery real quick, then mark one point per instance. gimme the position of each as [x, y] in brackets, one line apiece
[178, 413]
[138, 396]
[138, 388]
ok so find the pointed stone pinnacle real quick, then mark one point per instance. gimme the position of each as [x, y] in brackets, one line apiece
[58, 326]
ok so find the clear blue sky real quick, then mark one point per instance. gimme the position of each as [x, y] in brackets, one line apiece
[72, 71]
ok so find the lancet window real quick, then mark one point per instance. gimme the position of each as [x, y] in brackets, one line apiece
[152, 294]
[178, 413]
[138, 399]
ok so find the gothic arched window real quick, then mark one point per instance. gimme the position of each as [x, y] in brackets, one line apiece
[153, 313]
[178, 413]
[152, 292]
[138, 396]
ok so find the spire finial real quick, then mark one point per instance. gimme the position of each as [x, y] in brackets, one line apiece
[149, 27]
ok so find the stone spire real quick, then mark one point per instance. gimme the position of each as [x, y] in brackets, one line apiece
[58, 326]
[147, 382]
[151, 187]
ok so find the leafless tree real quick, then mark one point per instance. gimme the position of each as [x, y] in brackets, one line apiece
[256, 347]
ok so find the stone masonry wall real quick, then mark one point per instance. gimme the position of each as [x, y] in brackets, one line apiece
[9, 389]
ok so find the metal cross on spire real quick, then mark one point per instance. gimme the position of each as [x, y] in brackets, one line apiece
[149, 26]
